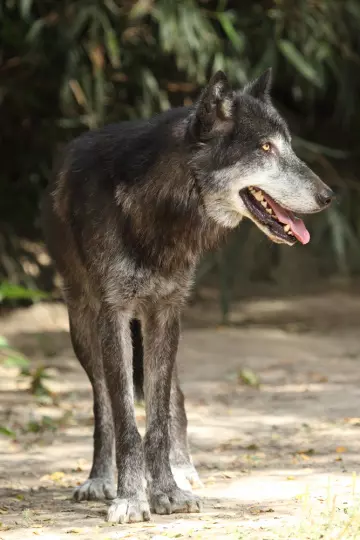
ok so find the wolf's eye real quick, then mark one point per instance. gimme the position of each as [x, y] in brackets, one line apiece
[266, 147]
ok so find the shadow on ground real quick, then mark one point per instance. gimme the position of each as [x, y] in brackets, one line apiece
[258, 449]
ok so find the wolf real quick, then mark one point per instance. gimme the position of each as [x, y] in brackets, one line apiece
[129, 211]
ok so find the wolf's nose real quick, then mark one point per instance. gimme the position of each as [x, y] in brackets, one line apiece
[324, 198]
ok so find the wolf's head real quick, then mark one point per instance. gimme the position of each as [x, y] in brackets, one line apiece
[245, 165]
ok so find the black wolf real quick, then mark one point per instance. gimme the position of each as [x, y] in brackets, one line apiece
[127, 216]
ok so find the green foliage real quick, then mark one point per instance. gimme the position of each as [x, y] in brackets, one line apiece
[249, 377]
[7, 432]
[12, 358]
[37, 386]
[77, 64]
[10, 291]
[46, 423]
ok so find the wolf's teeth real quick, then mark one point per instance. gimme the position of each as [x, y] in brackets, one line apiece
[287, 228]
[264, 203]
[290, 233]
[269, 211]
[258, 196]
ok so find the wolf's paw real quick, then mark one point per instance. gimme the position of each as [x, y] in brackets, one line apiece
[129, 510]
[186, 477]
[94, 489]
[174, 501]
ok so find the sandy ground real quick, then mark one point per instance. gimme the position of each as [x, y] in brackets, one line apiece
[260, 450]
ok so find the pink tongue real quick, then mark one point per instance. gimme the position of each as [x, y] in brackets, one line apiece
[288, 218]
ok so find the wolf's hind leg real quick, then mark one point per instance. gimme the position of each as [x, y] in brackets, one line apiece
[161, 336]
[181, 463]
[101, 482]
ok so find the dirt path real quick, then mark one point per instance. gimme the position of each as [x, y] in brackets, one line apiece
[272, 458]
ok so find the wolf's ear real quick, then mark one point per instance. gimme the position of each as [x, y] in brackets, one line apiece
[260, 88]
[214, 110]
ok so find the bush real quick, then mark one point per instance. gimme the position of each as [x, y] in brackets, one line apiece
[77, 64]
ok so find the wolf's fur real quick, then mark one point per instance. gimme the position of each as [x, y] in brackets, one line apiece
[129, 212]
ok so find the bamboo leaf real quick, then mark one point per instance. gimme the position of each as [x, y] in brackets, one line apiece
[236, 38]
[140, 9]
[35, 30]
[112, 47]
[293, 55]
[25, 8]
[321, 149]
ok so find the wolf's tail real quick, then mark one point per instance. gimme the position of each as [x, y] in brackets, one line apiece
[138, 359]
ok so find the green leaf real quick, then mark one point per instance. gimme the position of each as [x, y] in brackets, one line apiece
[112, 47]
[25, 8]
[16, 360]
[35, 30]
[10, 291]
[320, 148]
[140, 9]
[3, 342]
[235, 37]
[7, 432]
[249, 377]
[303, 67]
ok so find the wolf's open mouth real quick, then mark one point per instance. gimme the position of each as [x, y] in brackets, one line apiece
[281, 224]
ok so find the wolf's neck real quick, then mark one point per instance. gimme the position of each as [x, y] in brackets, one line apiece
[168, 225]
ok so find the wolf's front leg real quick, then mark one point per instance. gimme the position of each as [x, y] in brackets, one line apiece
[161, 336]
[131, 502]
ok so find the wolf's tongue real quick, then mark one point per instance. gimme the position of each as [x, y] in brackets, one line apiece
[288, 218]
